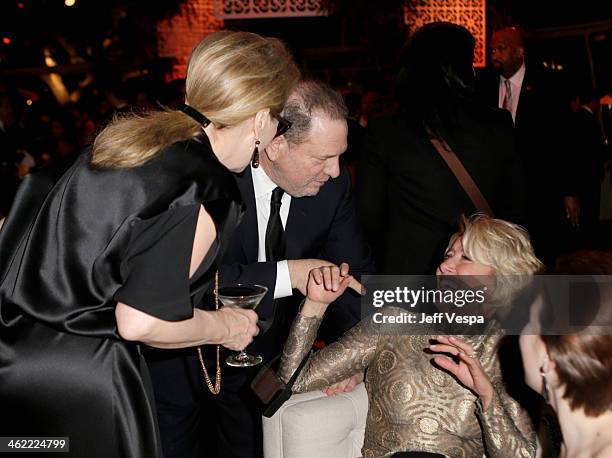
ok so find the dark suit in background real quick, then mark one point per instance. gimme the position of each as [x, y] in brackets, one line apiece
[540, 129]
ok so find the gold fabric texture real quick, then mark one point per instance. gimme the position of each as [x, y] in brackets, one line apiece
[413, 406]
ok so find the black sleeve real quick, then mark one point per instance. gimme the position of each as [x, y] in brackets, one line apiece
[156, 265]
[512, 204]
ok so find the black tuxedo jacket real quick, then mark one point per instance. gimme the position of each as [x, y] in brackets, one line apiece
[323, 226]
[541, 132]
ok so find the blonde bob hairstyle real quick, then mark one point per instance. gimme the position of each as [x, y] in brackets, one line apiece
[231, 76]
[503, 246]
[499, 244]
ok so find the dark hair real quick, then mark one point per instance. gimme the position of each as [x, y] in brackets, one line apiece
[307, 97]
[435, 71]
[584, 359]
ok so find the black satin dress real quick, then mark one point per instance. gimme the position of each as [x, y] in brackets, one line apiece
[76, 242]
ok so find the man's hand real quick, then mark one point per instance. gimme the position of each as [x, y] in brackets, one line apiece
[299, 269]
[572, 209]
[325, 285]
[345, 386]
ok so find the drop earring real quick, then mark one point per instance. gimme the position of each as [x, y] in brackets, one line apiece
[255, 160]
[545, 388]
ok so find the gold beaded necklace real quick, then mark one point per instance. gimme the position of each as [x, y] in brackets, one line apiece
[217, 386]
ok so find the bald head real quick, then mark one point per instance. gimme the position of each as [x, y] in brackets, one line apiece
[507, 52]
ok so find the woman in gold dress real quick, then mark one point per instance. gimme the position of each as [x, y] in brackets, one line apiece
[414, 406]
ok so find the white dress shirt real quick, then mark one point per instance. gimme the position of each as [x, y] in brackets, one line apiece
[516, 82]
[263, 187]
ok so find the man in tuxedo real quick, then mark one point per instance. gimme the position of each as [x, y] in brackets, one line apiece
[540, 121]
[299, 215]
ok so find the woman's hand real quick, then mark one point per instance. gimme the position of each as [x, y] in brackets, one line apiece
[468, 371]
[345, 386]
[238, 327]
[325, 285]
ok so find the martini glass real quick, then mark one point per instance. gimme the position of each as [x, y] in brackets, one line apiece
[245, 297]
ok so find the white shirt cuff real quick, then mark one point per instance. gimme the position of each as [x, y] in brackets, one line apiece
[283, 280]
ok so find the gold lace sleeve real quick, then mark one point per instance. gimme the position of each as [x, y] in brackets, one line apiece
[507, 429]
[350, 354]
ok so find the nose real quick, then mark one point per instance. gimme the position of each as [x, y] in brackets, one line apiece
[447, 267]
[333, 168]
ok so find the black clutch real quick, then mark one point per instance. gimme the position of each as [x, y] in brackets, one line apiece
[271, 390]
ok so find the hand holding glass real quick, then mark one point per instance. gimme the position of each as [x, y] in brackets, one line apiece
[245, 297]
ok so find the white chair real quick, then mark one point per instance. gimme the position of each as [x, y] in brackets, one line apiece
[316, 425]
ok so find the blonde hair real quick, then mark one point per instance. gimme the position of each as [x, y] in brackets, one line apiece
[503, 246]
[231, 76]
[499, 244]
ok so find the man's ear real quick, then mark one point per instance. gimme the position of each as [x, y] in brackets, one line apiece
[276, 148]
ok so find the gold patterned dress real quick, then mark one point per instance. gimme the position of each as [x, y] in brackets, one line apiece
[413, 406]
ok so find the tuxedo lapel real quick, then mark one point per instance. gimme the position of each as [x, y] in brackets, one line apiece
[248, 228]
[297, 222]
[523, 102]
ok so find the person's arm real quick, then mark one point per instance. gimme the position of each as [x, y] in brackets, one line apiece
[349, 355]
[506, 426]
[337, 361]
[230, 327]
[265, 273]
[233, 328]
[1, 223]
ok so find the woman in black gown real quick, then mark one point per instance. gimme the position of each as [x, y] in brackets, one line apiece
[116, 248]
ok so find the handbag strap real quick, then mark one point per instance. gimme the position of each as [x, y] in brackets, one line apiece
[292, 379]
[462, 175]
[299, 369]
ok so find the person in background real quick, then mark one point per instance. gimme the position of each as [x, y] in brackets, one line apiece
[409, 200]
[540, 121]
